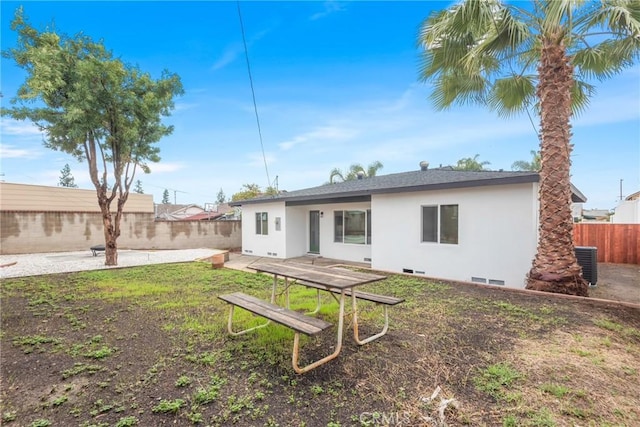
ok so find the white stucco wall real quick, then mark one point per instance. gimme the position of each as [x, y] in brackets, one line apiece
[274, 243]
[329, 248]
[627, 212]
[297, 229]
[497, 234]
[293, 239]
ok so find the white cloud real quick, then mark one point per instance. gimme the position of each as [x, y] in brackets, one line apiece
[230, 54]
[320, 135]
[610, 109]
[234, 50]
[330, 7]
[164, 167]
[182, 106]
[9, 152]
[257, 160]
[18, 127]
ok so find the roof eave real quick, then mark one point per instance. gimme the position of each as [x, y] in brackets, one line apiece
[348, 195]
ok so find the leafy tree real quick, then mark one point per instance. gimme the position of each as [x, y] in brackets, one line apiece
[220, 198]
[352, 173]
[138, 189]
[165, 197]
[94, 107]
[66, 179]
[512, 58]
[251, 191]
[471, 164]
[271, 191]
[532, 166]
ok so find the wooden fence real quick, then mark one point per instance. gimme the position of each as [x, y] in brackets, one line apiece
[616, 243]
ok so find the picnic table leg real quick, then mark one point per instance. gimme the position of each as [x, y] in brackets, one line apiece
[273, 290]
[296, 345]
[356, 334]
[286, 290]
[317, 309]
[230, 323]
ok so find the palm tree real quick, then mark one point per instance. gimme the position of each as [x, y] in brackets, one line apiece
[354, 169]
[471, 164]
[523, 165]
[510, 59]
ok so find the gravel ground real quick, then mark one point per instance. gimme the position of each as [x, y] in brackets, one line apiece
[64, 262]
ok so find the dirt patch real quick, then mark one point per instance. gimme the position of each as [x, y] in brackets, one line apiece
[617, 282]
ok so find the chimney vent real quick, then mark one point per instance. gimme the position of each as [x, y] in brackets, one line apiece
[424, 165]
[360, 174]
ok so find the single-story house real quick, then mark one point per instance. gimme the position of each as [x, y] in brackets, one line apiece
[628, 210]
[215, 212]
[457, 225]
[171, 212]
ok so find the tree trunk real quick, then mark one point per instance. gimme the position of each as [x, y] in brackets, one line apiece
[110, 234]
[555, 268]
[110, 238]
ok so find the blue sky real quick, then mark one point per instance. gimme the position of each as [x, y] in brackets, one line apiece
[335, 83]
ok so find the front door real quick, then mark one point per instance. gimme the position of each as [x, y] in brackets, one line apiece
[314, 232]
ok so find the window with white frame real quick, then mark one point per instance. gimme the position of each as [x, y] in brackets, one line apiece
[440, 224]
[352, 227]
[262, 221]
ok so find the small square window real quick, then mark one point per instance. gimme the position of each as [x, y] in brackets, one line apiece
[440, 224]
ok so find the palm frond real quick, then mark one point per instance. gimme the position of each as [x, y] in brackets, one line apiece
[335, 174]
[559, 17]
[619, 16]
[458, 88]
[511, 95]
[607, 58]
[581, 92]
[501, 38]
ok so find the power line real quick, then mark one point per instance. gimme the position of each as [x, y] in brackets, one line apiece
[253, 94]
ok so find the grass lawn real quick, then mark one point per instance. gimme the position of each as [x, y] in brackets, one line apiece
[148, 346]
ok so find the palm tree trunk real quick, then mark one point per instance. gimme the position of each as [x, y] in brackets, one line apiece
[555, 268]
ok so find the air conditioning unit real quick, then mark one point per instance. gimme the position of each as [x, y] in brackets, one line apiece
[588, 259]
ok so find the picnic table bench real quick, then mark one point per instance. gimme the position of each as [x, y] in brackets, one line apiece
[284, 316]
[97, 248]
[378, 299]
[384, 300]
[339, 282]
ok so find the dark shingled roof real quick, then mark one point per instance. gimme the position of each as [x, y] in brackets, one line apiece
[421, 180]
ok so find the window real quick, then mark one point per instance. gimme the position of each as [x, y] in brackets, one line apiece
[449, 224]
[352, 227]
[368, 226]
[429, 223]
[262, 221]
[440, 225]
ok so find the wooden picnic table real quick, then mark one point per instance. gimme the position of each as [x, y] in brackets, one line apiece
[337, 281]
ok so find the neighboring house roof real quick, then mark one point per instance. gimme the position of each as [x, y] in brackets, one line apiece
[203, 216]
[421, 180]
[596, 214]
[176, 212]
[634, 196]
[167, 208]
